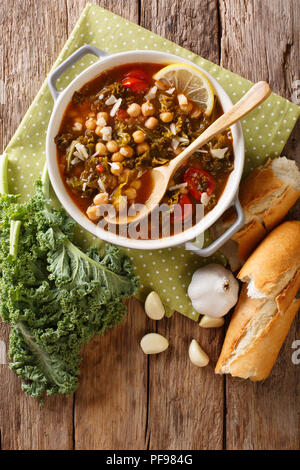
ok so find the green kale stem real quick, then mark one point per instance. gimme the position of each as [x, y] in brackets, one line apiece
[15, 226]
[3, 174]
[46, 182]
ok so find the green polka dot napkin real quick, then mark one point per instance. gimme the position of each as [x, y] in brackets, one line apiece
[266, 130]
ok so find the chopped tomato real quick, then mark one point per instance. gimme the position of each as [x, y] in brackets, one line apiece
[139, 73]
[135, 84]
[199, 181]
[136, 79]
[100, 168]
[183, 210]
[122, 114]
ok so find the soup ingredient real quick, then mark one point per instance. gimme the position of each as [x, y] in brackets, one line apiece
[148, 109]
[134, 110]
[211, 322]
[166, 117]
[112, 146]
[136, 80]
[101, 149]
[213, 290]
[154, 343]
[138, 137]
[196, 354]
[219, 153]
[154, 307]
[138, 72]
[191, 82]
[198, 182]
[55, 296]
[151, 123]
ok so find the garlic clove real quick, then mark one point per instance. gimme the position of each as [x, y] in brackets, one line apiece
[154, 343]
[211, 322]
[154, 307]
[196, 354]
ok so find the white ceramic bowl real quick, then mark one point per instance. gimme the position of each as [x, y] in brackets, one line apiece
[62, 100]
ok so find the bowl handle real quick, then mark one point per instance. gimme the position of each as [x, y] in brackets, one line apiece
[222, 239]
[53, 76]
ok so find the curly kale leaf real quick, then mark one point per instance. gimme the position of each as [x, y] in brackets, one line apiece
[55, 296]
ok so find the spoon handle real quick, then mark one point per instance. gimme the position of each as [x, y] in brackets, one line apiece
[256, 95]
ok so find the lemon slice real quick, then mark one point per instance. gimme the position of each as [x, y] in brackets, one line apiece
[190, 81]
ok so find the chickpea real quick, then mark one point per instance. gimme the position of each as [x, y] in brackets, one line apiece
[138, 137]
[116, 168]
[134, 110]
[93, 213]
[101, 149]
[103, 115]
[90, 124]
[126, 151]
[112, 146]
[136, 184]
[117, 157]
[101, 198]
[148, 109]
[166, 117]
[130, 193]
[151, 123]
[98, 130]
[141, 148]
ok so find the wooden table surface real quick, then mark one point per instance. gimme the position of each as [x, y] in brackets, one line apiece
[127, 400]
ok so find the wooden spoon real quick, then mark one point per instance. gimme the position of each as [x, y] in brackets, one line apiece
[161, 176]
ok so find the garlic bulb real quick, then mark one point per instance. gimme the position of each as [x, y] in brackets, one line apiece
[213, 290]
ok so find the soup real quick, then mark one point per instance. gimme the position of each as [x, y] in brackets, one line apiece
[123, 123]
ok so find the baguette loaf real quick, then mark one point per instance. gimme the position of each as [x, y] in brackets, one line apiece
[266, 307]
[266, 196]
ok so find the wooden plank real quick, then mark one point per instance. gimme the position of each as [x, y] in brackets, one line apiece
[27, 57]
[192, 24]
[126, 9]
[185, 409]
[265, 415]
[111, 403]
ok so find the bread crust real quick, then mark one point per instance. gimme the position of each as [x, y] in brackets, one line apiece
[259, 325]
[256, 362]
[265, 199]
[274, 263]
[248, 238]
